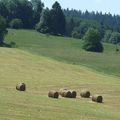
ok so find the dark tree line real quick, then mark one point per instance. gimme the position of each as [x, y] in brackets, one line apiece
[26, 11]
[31, 14]
[52, 21]
[78, 23]
[108, 20]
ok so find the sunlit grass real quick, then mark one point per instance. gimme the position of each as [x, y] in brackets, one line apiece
[43, 74]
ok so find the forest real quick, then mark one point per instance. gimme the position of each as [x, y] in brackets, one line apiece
[79, 22]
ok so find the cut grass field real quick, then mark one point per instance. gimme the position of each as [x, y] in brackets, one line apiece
[42, 74]
[66, 50]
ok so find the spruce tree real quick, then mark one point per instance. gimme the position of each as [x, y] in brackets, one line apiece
[57, 20]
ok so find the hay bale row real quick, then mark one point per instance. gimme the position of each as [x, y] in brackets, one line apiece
[95, 98]
[68, 93]
[53, 94]
[65, 93]
[21, 87]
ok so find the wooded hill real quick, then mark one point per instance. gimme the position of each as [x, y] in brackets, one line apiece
[56, 21]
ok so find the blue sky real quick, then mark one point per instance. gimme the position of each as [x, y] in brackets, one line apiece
[112, 6]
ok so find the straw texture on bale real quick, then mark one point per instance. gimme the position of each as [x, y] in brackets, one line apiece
[53, 94]
[61, 91]
[21, 86]
[73, 94]
[85, 93]
[97, 98]
[65, 93]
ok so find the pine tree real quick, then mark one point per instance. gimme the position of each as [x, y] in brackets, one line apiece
[57, 20]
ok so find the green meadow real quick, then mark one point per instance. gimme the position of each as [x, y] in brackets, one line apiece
[67, 50]
[46, 63]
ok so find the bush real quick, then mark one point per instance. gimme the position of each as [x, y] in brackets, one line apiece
[76, 34]
[40, 27]
[12, 44]
[92, 41]
[16, 23]
[107, 36]
[115, 38]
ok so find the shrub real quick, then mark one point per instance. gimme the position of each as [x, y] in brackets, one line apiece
[115, 38]
[76, 34]
[12, 44]
[42, 28]
[16, 23]
[92, 41]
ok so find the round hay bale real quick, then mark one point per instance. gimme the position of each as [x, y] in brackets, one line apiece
[61, 91]
[85, 93]
[97, 98]
[73, 94]
[21, 87]
[53, 94]
[65, 93]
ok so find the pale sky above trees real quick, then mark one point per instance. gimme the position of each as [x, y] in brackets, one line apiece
[112, 6]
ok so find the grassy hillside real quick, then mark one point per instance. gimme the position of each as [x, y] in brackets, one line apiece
[66, 50]
[43, 74]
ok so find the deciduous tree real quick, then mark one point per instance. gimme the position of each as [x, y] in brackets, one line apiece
[92, 41]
